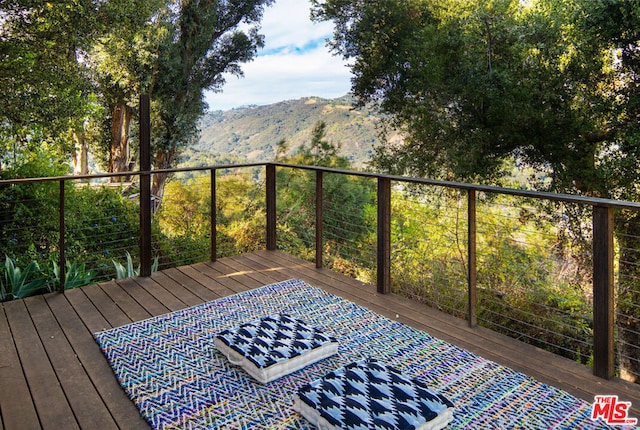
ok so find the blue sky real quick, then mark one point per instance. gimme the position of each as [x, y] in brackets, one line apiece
[294, 63]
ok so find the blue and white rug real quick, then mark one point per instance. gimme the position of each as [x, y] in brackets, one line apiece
[169, 367]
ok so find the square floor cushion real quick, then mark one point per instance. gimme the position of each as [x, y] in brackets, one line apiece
[275, 345]
[370, 395]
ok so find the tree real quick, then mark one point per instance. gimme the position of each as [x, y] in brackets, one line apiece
[321, 152]
[44, 85]
[56, 57]
[184, 48]
[172, 50]
[614, 26]
[118, 60]
[476, 84]
[195, 44]
[346, 199]
[473, 83]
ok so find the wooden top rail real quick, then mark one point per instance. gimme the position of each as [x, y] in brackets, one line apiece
[122, 174]
[539, 195]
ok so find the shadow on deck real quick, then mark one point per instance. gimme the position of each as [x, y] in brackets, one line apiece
[53, 375]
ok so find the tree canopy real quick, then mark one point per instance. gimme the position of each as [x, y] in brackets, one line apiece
[43, 82]
[68, 67]
[195, 45]
[474, 83]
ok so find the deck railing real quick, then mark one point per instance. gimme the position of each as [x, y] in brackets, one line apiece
[387, 186]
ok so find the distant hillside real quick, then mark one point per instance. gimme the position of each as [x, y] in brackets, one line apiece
[252, 133]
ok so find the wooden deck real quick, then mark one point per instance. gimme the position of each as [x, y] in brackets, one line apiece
[53, 375]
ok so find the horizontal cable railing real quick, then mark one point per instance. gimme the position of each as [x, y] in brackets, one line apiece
[429, 246]
[530, 278]
[101, 224]
[538, 267]
[628, 295]
[182, 223]
[349, 226]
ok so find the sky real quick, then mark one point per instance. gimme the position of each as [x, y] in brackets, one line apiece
[294, 63]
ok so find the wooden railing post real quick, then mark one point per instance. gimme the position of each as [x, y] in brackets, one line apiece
[319, 218]
[62, 263]
[214, 220]
[271, 207]
[145, 186]
[384, 235]
[603, 292]
[471, 258]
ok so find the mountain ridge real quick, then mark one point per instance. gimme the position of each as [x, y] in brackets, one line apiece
[253, 133]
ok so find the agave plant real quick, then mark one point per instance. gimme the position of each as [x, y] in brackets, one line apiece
[75, 275]
[18, 284]
[129, 271]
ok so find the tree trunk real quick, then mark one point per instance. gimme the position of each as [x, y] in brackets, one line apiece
[628, 312]
[80, 154]
[121, 118]
[162, 160]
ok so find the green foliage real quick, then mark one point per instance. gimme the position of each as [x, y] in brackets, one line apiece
[240, 214]
[45, 86]
[100, 221]
[75, 275]
[130, 271]
[321, 152]
[186, 208]
[19, 283]
[73, 68]
[522, 287]
[523, 291]
[191, 49]
[552, 85]
[475, 83]
[97, 219]
[27, 228]
[429, 250]
[346, 201]
[183, 223]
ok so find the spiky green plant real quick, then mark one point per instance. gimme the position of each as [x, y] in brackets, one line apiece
[129, 271]
[17, 283]
[76, 275]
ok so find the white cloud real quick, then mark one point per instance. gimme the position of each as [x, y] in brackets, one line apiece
[294, 63]
[288, 22]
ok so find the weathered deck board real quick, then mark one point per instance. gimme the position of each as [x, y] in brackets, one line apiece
[47, 395]
[75, 383]
[182, 294]
[122, 411]
[53, 375]
[16, 411]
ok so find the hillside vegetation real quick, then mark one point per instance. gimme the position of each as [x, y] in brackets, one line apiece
[252, 133]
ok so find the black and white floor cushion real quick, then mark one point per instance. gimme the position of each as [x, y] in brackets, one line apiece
[275, 345]
[370, 395]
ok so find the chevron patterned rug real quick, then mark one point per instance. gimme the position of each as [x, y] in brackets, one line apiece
[169, 367]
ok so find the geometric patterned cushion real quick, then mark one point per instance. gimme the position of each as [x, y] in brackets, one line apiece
[274, 345]
[370, 395]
